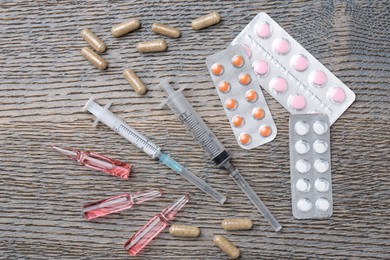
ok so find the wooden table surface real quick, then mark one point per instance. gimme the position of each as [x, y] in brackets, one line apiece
[45, 82]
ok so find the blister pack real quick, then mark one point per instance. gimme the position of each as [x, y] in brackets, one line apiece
[288, 72]
[241, 97]
[310, 166]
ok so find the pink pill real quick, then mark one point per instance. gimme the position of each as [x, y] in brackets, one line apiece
[299, 62]
[297, 102]
[263, 30]
[261, 67]
[318, 78]
[336, 94]
[281, 46]
[279, 85]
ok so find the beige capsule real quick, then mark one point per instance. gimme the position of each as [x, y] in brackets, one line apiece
[134, 81]
[226, 246]
[237, 224]
[206, 21]
[152, 46]
[125, 27]
[94, 58]
[166, 30]
[184, 231]
[93, 40]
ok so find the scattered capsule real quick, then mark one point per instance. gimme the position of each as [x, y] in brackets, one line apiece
[184, 231]
[166, 30]
[93, 40]
[227, 247]
[152, 46]
[94, 58]
[237, 224]
[125, 27]
[137, 84]
[206, 21]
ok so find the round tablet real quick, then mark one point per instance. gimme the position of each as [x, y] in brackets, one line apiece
[320, 146]
[304, 205]
[320, 127]
[321, 165]
[231, 104]
[302, 185]
[299, 62]
[251, 96]
[278, 85]
[245, 139]
[238, 121]
[281, 46]
[301, 128]
[297, 102]
[258, 113]
[244, 78]
[318, 78]
[321, 185]
[265, 131]
[261, 67]
[302, 166]
[248, 51]
[224, 86]
[322, 204]
[263, 30]
[336, 94]
[302, 147]
[237, 61]
[217, 69]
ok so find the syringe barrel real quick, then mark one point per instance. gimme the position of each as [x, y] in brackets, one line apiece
[178, 103]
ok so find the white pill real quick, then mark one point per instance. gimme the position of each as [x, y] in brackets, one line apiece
[320, 127]
[322, 204]
[301, 128]
[321, 165]
[321, 185]
[302, 166]
[304, 205]
[320, 146]
[302, 147]
[303, 185]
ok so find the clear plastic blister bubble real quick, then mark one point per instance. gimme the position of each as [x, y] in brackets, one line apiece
[241, 96]
[311, 183]
[286, 70]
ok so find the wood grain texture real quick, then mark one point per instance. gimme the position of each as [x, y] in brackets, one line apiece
[45, 82]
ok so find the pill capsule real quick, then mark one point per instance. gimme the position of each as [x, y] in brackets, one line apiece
[227, 247]
[94, 58]
[125, 27]
[184, 231]
[135, 82]
[152, 46]
[244, 78]
[237, 224]
[217, 69]
[93, 40]
[206, 21]
[265, 131]
[166, 30]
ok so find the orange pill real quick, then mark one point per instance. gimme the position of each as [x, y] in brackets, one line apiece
[231, 104]
[238, 61]
[251, 96]
[244, 78]
[265, 131]
[224, 86]
[245, 138]
[217, 69]
[238, 121]
[258, 113]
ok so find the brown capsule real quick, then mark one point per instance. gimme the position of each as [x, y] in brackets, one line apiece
[237, 224]
[206, 21]
[227, 247]
[166, 30]
[152, 46]
[184, 231]
[93, 40]
[135, 82]
[94, 58]
[125, 27]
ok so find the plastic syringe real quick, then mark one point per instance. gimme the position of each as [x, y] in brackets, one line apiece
[212, 146]
[104, 115]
